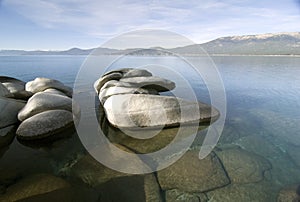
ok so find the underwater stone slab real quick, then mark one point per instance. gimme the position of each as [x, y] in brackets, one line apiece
[41, 102]
[33, 185]
[191, 174]
[138, 188]
[289, 193]
[152, 82]
[9, 111]
[258, 192]
[45, 124]
[41, 84]
[135, 111]
[93, 173]
[7, 135]
[101, 81]
[243, 166]
[176, 195]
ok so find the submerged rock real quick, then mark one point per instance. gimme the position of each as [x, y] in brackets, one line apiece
[176, 195]
[191, 174]
[7, 135]
[41, 102]
[289, 194]
[93, 173]
[32, 186]
[138, 188]
[258, 192]
[9, 110]
[45, 125]
[243, 166]
[41, 84]
[134, 111]
[152, 82]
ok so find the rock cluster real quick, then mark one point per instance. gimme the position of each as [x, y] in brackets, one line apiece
[43, 106]
[131, 100]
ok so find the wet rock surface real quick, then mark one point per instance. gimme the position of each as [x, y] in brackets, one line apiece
[45, 124]
[289, 193]
[32, 186]
[9, 111]
[131, 100]
[41, 102]
[193, 175]
[41, 84]
[243, 166]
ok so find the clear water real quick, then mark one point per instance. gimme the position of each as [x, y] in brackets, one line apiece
[263, 101]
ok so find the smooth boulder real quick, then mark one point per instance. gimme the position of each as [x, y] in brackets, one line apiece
[41, 102]
[100, 82]
[41, 84]
[137, 73]
[54, 91]
[45, 124]
[139, 110]
[152, 82]
[121, 71]
[9, 111]
[3, 91]
[107, 92]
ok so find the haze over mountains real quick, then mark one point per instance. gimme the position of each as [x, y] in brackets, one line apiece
[263, 44]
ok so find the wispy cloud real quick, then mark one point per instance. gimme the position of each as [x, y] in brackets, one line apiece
[199, 20]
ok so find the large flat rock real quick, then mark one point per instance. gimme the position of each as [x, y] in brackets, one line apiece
[152, 82]
[32, 186]
[191, 174]
[41, 102]
[136, 111]
[7, 135]
[243, 166]
[45, 124]
[258, 192]
[289, 193]
[9, 110]
[41, 84]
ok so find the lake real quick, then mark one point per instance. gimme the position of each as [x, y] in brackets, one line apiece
[259, 146]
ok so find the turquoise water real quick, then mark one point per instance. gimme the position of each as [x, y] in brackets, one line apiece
[263, 116]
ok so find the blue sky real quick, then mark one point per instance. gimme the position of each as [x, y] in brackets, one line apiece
[63, 24]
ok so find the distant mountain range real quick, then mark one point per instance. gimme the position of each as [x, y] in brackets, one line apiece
[263, 44]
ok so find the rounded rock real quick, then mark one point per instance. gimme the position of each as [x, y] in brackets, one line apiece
[45, 124]
[41, 102]
[41, 84]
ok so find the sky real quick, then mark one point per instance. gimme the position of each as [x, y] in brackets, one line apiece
[63, 24]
